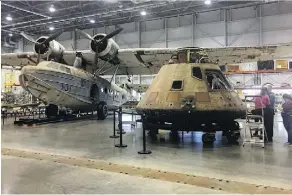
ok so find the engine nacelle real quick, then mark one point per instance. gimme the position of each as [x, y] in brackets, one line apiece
[107, 50]
[52, 48]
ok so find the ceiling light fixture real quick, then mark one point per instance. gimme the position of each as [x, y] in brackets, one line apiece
[10, 34]
[9, 18]
[208, 2]
[52, 28]
[92, 21]
[143, 13]
[52, 8]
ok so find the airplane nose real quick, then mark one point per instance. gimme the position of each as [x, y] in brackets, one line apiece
[26, 75]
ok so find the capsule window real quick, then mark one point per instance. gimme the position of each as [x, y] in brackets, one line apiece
[197, 73]
[176, 85]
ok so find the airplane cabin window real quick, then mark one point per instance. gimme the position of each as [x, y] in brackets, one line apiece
[197, 73]
[216, 80]
[176, 85]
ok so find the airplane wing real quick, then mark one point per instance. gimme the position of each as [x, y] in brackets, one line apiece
[149, 60]
[230, 55]
[132, 61]
[19, 59]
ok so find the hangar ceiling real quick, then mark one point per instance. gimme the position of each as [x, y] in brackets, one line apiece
[35, 17]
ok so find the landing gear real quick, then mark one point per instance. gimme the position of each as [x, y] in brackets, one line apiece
[208, 138]
[173, 135]
[51, 110]
[153, 134]
[233, 135]
[102, 111]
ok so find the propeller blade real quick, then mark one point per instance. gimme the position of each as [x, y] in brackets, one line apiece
[28, 37]
[52, 37]
[85, 35]
[112, 34]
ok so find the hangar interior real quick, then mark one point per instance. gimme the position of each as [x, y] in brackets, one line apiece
[33, 157]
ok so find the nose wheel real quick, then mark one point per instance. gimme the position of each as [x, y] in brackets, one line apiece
[208, 138]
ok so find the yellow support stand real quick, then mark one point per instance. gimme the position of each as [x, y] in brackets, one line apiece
[9, 81]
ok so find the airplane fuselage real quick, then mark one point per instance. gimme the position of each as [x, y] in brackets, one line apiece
[70, 87]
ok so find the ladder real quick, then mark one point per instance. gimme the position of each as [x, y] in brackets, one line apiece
[254, 132]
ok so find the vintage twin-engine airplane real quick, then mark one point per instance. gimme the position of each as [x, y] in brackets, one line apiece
[189, 92]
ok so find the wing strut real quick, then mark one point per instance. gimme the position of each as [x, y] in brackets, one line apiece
[115, 73]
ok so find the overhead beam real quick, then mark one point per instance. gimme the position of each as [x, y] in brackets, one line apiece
[260, 26]
[25, 10]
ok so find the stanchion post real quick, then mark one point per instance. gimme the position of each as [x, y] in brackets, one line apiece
[120, 130]
[3, 118]
[114, 133]
[144, 151]
[120, 114]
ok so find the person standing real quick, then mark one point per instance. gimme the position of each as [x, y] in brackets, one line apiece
[287, 116]
[271, 109]
[262, 103]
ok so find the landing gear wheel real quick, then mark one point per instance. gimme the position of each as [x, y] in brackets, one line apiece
[173, 135]
[232, 137]
[62, 113]
[153, 134]
[102, 111]
[51, 110]
[208, 138]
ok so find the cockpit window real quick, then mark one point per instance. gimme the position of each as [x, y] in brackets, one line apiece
[53, 65]
[65, 69]
[59, 67]
[197, 73]
[216, 80]
[176, 85]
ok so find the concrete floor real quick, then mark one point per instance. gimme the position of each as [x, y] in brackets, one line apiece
[270, 166]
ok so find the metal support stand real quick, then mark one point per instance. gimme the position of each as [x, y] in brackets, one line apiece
[120, 145]
[144, 151]
[114, 133]
[3, 118]
[182, 136]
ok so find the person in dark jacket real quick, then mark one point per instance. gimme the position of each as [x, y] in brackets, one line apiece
[287, 116]
[271, 110]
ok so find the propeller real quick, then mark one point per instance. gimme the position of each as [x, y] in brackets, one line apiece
[84, 34]
[98, 42]
[28, 37]
[42, 45]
